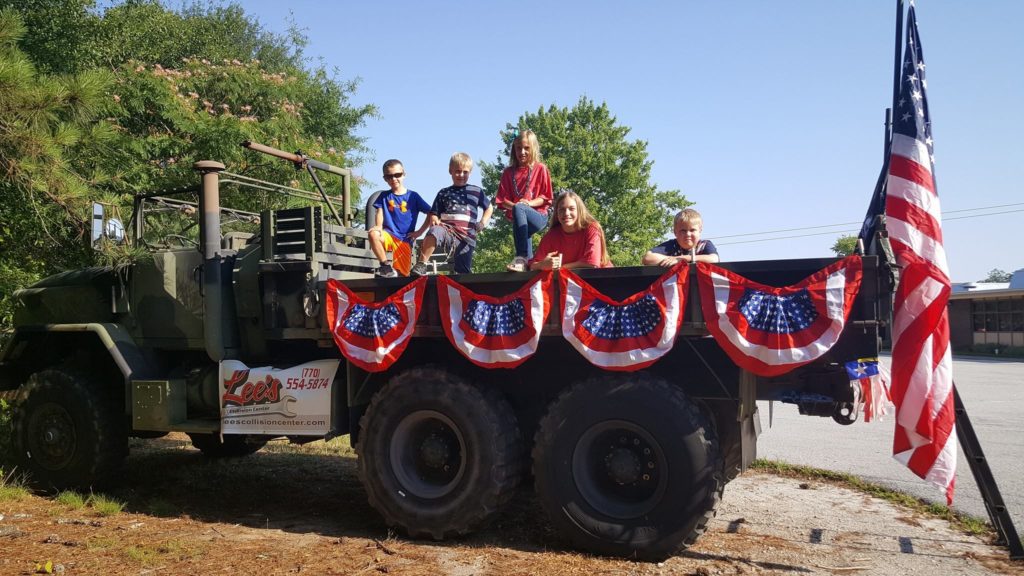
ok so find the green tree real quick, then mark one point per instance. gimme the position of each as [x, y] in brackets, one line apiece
[845, 245]
[191, 84]
[997, 275]
[586, 150]
[44, 120]
[101, 104]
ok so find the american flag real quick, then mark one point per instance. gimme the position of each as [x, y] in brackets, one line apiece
[922, 368]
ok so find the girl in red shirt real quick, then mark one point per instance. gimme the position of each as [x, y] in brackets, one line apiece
[575, 239]
[524, 194]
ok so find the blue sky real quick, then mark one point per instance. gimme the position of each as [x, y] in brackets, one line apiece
[767, 114]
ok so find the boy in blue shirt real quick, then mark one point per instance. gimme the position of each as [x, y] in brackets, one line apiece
[397, 211]
[453, 218]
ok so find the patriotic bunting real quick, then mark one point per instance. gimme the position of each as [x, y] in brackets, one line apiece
[495, 332]
[627, 335]
[372, 335]
[770, 331]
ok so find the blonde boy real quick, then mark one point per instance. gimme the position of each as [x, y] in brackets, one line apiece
[453, 218]
[686, 246]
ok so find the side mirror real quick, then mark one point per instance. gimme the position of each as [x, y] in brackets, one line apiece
[112, 229]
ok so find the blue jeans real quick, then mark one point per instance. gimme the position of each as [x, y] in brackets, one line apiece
[525, 223]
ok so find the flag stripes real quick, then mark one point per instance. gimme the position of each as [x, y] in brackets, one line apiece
[922, 368]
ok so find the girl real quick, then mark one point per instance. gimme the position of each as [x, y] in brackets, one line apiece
[524, 194]
[575, 239]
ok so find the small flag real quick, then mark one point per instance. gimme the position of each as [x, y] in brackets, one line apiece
[870, 386]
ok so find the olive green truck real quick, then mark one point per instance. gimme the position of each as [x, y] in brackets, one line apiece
[627, 462]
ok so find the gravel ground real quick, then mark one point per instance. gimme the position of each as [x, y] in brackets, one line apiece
[767, 524]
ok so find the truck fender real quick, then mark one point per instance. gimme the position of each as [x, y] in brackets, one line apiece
[117, 341]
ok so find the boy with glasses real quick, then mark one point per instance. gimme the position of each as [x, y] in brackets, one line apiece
[453, 218]
[396, 213]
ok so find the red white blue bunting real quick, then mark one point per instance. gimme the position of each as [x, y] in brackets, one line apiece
[623, 335]
[770, 331]
[495, 332]
[372, 335]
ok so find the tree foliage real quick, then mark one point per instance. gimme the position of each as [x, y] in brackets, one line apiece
[586, 150]
[43, 121]
[844, 245]
[998, 275]
[100, 104]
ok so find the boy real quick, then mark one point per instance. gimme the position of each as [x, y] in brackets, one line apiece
[452, 218]
[397, 211]
[686, 246]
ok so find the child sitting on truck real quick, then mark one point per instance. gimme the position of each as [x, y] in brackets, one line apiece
[524, 194]
[396, 213]
[453, 218]
[575, 239]
[686, 246]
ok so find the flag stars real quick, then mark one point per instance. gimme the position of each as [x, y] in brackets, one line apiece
[777, 314]
[496, 319]
[612, 322]
[372, 322]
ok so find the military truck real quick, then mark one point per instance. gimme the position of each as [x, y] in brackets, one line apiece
[626, 463]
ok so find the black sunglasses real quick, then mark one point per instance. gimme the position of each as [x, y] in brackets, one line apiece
[393, 176]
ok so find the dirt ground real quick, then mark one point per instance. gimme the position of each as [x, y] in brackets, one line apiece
[287, 512]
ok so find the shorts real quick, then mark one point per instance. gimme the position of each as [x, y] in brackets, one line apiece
[460, 249]
[401, 252]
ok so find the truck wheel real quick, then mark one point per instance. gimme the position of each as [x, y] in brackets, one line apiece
[627, 466]
[438, 457]
[231, 445]
[67, 434]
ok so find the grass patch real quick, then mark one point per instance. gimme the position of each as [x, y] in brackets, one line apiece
[340, 446]
[99, 503]
[170, 549]
[105, 506]
[12, 488]
[72, 499]
[10, 493]
[964, 522]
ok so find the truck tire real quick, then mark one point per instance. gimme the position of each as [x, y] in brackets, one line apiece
[625, 465]
[232, 445]
[438, 457]
[67, 434]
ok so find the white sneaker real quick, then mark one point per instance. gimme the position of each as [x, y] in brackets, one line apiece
[518, 264]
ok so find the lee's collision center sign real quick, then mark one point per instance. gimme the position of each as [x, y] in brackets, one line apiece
[288, 401]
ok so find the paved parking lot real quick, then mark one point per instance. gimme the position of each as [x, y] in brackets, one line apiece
[992, 391]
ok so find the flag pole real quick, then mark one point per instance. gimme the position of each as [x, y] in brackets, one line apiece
[897, 71]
